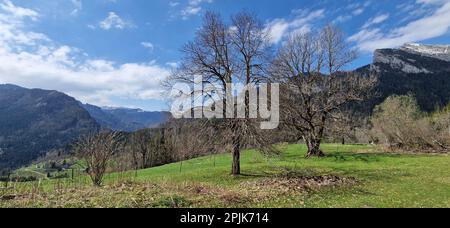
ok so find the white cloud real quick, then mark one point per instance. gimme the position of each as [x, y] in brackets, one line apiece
[193, 8]
[431, 1]
[277, 29]
[359, 11]
[352, 10]
[376, 20]
[35, 61]
[174, 4]
[429, 26]
[12, 21]
[342, 18]
[18, 12]
[113, 21]
[99, 65]
[148, 45]
[173, 64]
[280, 28]
[190, 10]
[78, 6]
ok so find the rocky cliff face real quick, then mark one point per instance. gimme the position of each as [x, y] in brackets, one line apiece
[441, 52]
[421, 70]
[413, 59]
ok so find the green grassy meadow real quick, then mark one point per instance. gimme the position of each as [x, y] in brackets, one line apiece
[350, 176]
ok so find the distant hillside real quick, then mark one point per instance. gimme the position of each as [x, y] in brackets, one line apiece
[34, 121]
[123, 119]
[422, 70]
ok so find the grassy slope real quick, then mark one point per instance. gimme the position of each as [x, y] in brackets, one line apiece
[385, 180]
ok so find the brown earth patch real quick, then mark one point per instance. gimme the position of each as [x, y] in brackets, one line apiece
[290, 184]
[7, 197]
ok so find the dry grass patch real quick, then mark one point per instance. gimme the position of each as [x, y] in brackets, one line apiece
[291, 184]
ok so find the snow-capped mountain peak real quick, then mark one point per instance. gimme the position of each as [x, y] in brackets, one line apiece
[414, 58]
[436, 51]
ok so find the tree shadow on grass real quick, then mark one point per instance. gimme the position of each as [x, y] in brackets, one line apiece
[372, 173]
[274, 172]
[280, 172]
[255, 175]
[386, 174]
[343, 156]
[365, 157]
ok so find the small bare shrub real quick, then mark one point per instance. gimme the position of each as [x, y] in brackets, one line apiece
[97, 150]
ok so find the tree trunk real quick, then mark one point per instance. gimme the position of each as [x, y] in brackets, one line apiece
[97, 181]
[144, 160]
[314, 148]
[315, 139]
[236, 169]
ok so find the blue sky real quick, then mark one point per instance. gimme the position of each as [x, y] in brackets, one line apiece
[116, 52]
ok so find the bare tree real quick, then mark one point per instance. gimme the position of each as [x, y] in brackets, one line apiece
[223, 54]
[314, 86]
[186, 139]
[140, 146]
[147, 148]
[251, 43]
[97, 150]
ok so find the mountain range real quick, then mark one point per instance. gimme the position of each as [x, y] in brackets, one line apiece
[126, 119]
[34, 121]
